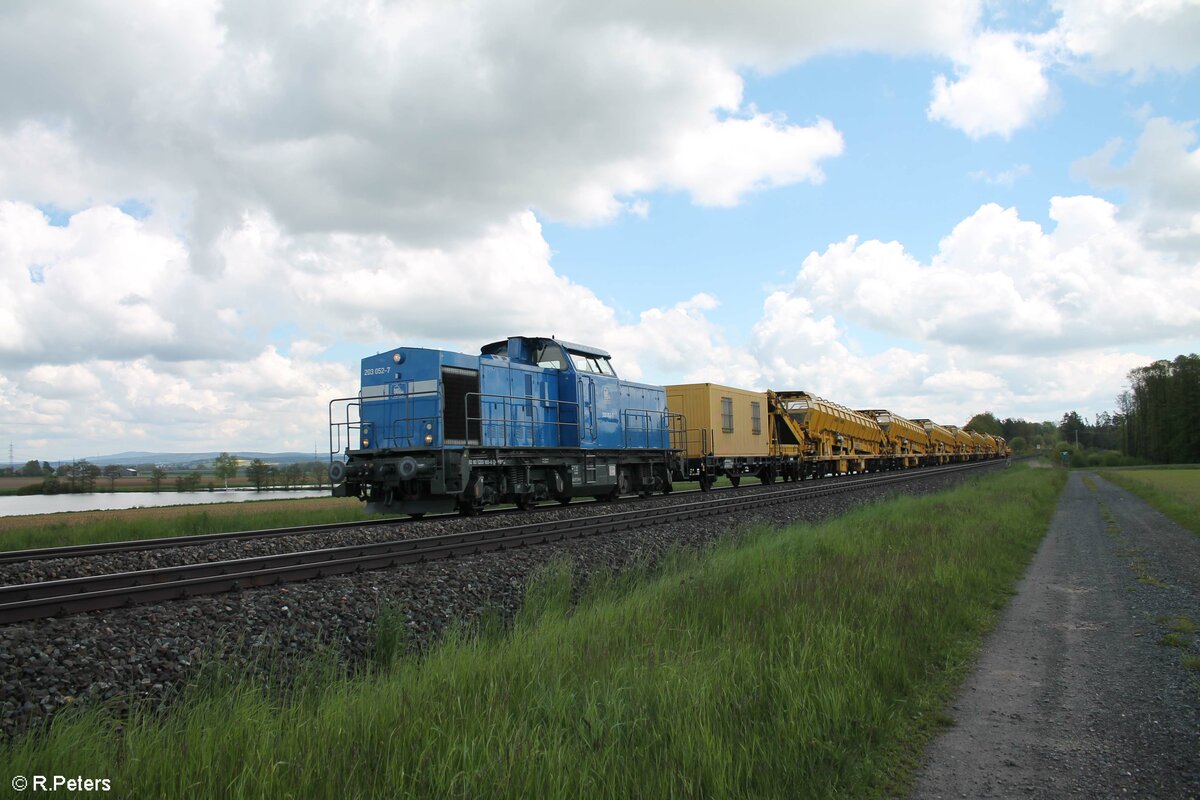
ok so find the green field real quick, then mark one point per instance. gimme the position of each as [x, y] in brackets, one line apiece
[809, 662]
[1174, 492]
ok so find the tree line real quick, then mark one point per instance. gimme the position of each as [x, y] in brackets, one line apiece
[1157, 421]
[83, 476]
[1160, 412]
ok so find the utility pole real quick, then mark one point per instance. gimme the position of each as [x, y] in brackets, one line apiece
[11, 467]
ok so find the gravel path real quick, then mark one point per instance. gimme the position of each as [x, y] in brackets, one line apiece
[1076, 693]
[151, 651]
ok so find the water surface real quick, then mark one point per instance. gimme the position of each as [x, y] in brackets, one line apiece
[13, 506]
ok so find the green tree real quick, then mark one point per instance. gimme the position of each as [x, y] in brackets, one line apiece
[1018, 444]
[259, 473]
[225, 466]
[156, 476]
[112, 472]
[986, 423]
[1161, 411]
[32, 469]
[1074, 429]
[188, 482]
[318, 471]
[87, 474]
[292, 475]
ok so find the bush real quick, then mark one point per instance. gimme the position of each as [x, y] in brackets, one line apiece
[33, 488]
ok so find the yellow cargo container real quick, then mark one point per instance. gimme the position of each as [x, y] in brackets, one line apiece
[721, 421]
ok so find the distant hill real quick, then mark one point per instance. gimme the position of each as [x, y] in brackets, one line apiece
[188, 460]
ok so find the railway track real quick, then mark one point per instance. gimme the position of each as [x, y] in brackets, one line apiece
[24, 602]
[166, 542]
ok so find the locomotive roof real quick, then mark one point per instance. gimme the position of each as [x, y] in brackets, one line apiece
[572, 346]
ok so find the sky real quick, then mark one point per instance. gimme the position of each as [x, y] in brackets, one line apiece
[210, 212]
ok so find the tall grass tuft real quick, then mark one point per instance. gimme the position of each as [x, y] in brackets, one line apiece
[809, 662]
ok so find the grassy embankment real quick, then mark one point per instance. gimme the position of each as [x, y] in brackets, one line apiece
[86, 527]
[809, 662]
[1175, 492]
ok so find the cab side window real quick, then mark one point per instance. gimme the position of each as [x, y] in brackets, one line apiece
[550, 356]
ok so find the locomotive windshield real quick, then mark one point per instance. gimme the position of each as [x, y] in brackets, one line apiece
[590, 363]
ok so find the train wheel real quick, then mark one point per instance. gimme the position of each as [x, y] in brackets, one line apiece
[564, 500]
[469, 508]
[734, 480]
[664, 478]
[526, 502]
[417, 515]
[705, 481]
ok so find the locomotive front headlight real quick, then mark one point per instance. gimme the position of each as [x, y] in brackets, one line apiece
[429, 438]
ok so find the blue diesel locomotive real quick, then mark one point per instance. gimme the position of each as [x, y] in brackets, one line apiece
[528, 419]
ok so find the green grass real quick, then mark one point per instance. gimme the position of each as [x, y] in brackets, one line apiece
[812, 662]
[86, 527]
[1174, 492]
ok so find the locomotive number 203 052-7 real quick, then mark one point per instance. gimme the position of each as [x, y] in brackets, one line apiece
[377, 370]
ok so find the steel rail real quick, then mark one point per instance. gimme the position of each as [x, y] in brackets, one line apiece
[19, 603]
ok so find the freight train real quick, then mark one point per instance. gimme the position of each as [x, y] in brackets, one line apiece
[534, 418]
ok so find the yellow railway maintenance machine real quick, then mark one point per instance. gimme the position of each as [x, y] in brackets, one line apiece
[964, 445]
[941, 441]
[905, 443]
[829, 438]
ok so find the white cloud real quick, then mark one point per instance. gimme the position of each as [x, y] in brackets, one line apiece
[424, 121]
[1131, 35]
[1000, 284]
[1162, 177]
[104, 283]
[999, 87]
[269, 402]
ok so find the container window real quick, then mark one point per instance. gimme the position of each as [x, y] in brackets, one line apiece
[756, 418]
[727, 414]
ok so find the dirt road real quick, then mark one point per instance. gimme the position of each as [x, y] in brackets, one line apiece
[1086, 688]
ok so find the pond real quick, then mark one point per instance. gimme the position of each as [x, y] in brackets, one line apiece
[12, 506]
